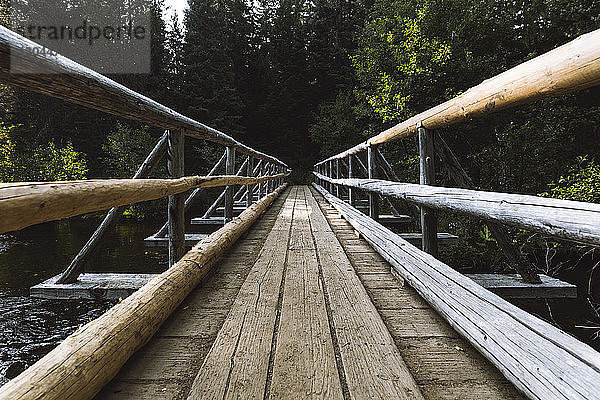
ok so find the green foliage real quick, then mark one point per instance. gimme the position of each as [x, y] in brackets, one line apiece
[582, 183]
[57, 163]
[46, 162]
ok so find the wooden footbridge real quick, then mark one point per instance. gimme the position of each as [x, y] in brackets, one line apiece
[307, 293]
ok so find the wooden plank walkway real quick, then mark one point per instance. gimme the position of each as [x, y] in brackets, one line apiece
[302, 308]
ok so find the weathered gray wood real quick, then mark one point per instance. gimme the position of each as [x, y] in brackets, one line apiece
[89, 358]
[337, 175]
[572, 220]
[70, 274]
[414, 211]
[249, 195]
[515, 258]
[208, 221]
[209, 212]
[427, 177]
[351, 191]
[416, 238]
[237, 364]
[540, 359]
[566, 69]
[190, 240]
[513, 286]
[304, 363]
[372, 173]
[75, 83]
[372, 364]
[229, 170]
[91, 287]
[164, 230]
[176, 205]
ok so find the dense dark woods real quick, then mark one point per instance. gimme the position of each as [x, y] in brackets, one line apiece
[302, 80]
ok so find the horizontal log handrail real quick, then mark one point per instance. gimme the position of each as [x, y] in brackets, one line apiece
[538, 358]
[569, 68]
[88, 359]
[72, 82]
[572, 220]
[28, 203]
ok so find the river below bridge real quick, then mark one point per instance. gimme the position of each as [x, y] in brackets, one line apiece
[30, 328]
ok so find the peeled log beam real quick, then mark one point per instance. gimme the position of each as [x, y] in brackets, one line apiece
[566, 69]
[28, 203]
[571, 220]
[89, 358]
[538, 358]
[75, 83]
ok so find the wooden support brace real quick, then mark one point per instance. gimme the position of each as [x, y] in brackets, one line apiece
[164, 230]
[515, 258]
[427, 177]
[351, 191]
[176, 206]
[76, 266]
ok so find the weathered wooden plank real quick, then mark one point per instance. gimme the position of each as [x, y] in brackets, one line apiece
[569, 68]
[237, 364]
[229, 168]
[571, 220]
[75, 83]
[512, 286]
[373, 367]
[540, 359]
[28, 203]
[436, 365]
[190, 240]
[89, 358]
[304, 361]
[91, 286]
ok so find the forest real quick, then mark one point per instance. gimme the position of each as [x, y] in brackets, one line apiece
[303, 80]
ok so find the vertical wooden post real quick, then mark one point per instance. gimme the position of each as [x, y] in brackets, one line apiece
[337, 176]
[351, 192]
[176, 207]
[427, 177]
[372, 171]
[229, 170]
[330, 175]
[250, 173]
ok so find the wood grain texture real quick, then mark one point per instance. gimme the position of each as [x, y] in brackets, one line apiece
[538, 358]
[304, 361]
[571, 67]
[176, 202]
[373, 366]
[89, 358]
[75, 83]
[28, 203]
[237, 364]
[572, 220]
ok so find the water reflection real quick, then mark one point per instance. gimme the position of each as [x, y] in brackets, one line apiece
[30, 328]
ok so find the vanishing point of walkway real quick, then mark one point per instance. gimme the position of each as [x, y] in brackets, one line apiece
[303, 308]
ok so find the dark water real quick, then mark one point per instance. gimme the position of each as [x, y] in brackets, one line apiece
[30, 328]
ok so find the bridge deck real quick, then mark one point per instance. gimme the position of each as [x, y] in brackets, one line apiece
[303, 308]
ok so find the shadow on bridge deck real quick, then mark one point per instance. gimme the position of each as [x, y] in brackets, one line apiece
[301, 307]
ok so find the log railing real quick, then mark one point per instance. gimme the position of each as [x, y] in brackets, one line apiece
[24, 204]
[566, 69]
